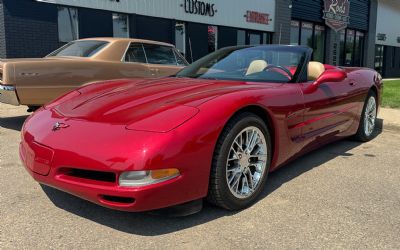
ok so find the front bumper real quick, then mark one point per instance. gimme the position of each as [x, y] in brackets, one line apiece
[8, 95]
[107, 194]
[49, 156]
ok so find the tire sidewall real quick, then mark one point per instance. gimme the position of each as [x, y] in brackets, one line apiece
[232, 201]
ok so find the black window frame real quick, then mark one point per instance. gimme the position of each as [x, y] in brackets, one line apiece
[127, 50]
[313, 40]
[164, 46]
[342, 53]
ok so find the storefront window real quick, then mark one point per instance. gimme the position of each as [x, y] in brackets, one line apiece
[349, 48]
[67, 24]
[342, 47]
[319, 46]
[241, 37]
[393, 57]
[212, 38]
[294, 32]
[266, 38]
[311, 35]
[359, 49]
[180, 37]
[379, 52]
[120, 25]
[254, 38]
[306, 34]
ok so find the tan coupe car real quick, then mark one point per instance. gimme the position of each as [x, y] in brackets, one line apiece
[34, 82]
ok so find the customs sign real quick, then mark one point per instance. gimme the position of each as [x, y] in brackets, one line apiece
[336, 14]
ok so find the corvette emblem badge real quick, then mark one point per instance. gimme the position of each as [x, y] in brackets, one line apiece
[59, 125]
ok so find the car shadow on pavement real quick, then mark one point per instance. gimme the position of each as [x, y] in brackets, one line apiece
[315, 159]
[147, 224]
[13, 122]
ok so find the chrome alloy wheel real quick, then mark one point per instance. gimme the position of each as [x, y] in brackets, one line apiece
[246, 163]
[370, 116]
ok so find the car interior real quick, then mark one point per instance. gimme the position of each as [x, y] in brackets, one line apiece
[256, 66]
[315, 70]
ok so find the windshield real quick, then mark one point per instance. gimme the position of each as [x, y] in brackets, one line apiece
[279, 64]
[80, 48]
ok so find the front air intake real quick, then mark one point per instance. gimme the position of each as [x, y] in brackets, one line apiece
[89, 174]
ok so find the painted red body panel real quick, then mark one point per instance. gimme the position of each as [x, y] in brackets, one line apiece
[127, 125]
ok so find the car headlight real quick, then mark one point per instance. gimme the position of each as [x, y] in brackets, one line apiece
[144, 178]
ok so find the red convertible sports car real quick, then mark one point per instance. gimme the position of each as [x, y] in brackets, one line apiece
[214, 130]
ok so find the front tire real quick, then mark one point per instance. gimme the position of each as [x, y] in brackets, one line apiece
[367, 125]
[241, 162]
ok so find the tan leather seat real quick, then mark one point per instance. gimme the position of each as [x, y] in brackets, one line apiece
[315, 70]
[256, 66]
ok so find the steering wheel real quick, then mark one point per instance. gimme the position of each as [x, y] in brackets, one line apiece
[270, 66]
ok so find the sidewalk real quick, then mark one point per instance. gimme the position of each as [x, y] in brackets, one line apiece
[391, 118]
[391, 79]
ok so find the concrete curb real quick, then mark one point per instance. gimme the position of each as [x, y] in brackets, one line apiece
[391, 79]
[391, 118]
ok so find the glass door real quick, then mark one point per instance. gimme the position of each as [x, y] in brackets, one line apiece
[180, 37]
[379, 56]
[254, 38]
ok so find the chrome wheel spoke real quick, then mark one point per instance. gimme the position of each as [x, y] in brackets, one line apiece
[246, 163]
[370, 116]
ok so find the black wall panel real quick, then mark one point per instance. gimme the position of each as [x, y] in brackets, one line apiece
[359, 14]
[95, 23]
[152, 28]
[391, 62]
[30, 28]
[226, 37]
[309, 10]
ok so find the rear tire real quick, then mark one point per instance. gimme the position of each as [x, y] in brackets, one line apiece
[367, 125]
[241, 162]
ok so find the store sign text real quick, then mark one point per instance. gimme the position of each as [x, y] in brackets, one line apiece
[337, 14]
[199, 8]
[381, 37]
[257, 17]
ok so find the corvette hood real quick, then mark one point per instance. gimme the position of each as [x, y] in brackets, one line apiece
[124, 101]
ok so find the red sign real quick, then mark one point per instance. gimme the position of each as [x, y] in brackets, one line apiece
[257, 17]
[337, 14]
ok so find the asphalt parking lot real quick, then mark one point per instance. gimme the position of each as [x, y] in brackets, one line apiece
[345, 195]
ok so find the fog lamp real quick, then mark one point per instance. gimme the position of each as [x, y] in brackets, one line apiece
[144, 178]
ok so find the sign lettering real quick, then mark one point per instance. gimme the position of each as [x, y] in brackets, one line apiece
[257, 17]
[337, 14]
[197, 7]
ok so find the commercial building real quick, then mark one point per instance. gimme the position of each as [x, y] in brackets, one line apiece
[337, 30]
[35, 27]
[341, 32]
[387, 52]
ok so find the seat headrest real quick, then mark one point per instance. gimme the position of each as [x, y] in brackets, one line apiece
[256, 66]
[315, 70]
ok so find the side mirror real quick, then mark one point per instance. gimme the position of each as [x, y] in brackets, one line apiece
[330, 75]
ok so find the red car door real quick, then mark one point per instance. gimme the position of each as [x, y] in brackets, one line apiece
[330, 110]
